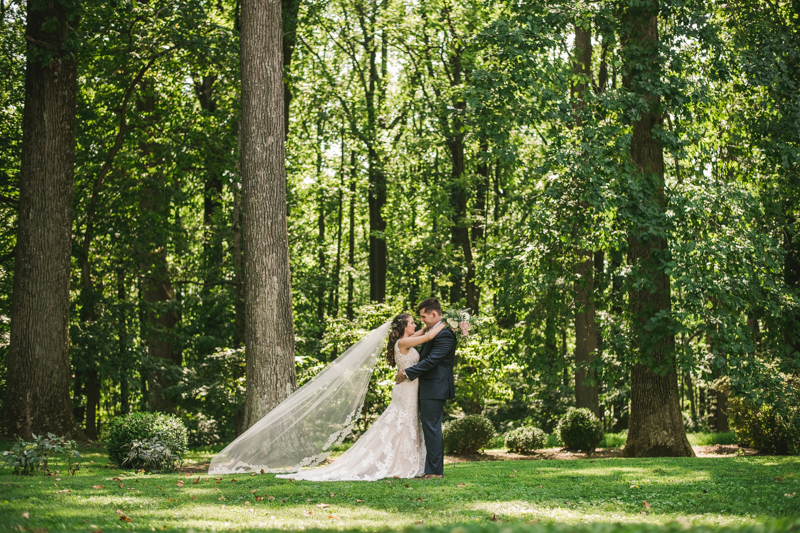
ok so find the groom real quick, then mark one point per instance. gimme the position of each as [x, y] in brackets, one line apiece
[436, 384]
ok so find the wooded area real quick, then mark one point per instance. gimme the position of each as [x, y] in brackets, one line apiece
[614, 188]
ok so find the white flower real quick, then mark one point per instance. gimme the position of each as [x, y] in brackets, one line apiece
[452, 323]
[466, 317]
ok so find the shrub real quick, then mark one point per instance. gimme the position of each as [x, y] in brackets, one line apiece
[30, 458]
[123, 431]
[152, 454]
[771, 429]
[467, 435]
[525, 439]
[579, 429]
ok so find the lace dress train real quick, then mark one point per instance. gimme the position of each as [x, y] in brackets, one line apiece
[392, 447]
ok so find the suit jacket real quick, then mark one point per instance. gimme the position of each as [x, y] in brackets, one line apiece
[435, 368]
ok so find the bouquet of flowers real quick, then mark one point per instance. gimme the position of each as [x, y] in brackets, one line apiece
[459, 320]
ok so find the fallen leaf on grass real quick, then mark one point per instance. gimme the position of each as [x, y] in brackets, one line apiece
[420, 522]
[97, 486]
[123, 516]
[217, 482]
[254, 474]
[323, 505]
[55, 484]
[262, 471]
[778, 479]
[217, 489]
[233, 481]
[115, 479]
[221, 498]
[493, 518]
[58, 479]
[246, 504]
[359, 501]
[283, 501]
[259, 498]
[643, 512]
[332, 517]
[270, 497]
[634, 486]
[537, 471]
[405, 485]
[180, 483]
[97, 530]
[396, 477]
[646, 505]
[160, 487]
[705, 491]
[26, 515]
[415, 499]
[388, 482]
[187, 475]
[196, 481]
[223, 507]
[461, 485]
[511, 475]
[252, 491]
[792, 495]
[171, 500]
[122, 485]
[194, 497]
[531, 521]
[218, 478]
[308, 513]
[333, 495]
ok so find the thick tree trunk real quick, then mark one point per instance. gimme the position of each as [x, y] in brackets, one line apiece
[122, 335]
[289, 11]
[656, 427]
[269, 334]
[92, 403]
[37, 384]
[586, 334]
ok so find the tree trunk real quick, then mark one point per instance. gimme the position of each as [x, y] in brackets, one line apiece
[122, 335]
[351, 243]
[269, 333]
[289, 11]
[37, 382]
[333, 306]
[92, 403]
[157, 292]
[656, 427]
[586, 335]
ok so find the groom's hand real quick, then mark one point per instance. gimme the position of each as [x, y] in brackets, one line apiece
[400, 376]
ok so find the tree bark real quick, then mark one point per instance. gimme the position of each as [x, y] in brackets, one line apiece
[656, 427]
[37, 383]
[158, 296]
[586, 334]
[269, 334]
[289, 12]
[351, 238]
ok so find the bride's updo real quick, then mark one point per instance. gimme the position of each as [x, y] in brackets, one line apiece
[396, 331]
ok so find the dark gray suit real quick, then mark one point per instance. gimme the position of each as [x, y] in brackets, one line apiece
[436, 386]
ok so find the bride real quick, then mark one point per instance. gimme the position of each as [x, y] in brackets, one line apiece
[393, 446]
[302, 430]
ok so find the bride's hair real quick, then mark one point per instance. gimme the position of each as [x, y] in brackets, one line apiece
[396, 330]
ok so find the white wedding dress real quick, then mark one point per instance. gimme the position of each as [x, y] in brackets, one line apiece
[392, 447]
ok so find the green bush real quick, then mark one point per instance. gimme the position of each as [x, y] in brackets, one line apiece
[30, 458]
[525, 439]
[123, 431]
[152, 455]
[467, 435]
[771, 429]
[580, 430]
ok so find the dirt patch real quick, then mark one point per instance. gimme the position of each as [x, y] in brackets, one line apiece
[600, 453]
[547, 454]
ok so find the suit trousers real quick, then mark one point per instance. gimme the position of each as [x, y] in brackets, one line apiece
[430, 414]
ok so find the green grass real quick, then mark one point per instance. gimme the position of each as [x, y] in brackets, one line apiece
[713, 493]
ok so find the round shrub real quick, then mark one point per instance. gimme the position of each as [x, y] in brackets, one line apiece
[580, 430]
[123, 431]
[525, 439]
[467, 435]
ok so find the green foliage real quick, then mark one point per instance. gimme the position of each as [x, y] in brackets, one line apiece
[579, 429]
[153, 455]
[467, 435]
[525, 439]
[31, 458]
[142, 427]
[771, 429]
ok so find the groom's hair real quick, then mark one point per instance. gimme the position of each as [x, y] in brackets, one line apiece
[431, 304]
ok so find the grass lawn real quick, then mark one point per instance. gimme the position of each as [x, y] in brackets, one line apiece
[713, 493]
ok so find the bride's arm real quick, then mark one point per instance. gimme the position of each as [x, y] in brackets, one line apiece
[407, 342]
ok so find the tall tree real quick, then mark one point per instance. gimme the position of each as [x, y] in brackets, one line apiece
[269, 332]
[586, 334]
[656, 427]
[37, 394]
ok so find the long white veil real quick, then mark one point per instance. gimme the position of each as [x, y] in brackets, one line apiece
[303, 428]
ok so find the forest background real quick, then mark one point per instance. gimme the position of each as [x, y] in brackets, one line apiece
[612, 188]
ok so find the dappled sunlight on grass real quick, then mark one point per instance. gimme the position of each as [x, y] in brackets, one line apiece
[711, 492]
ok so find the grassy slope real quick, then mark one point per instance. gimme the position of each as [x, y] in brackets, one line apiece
[713, 492]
